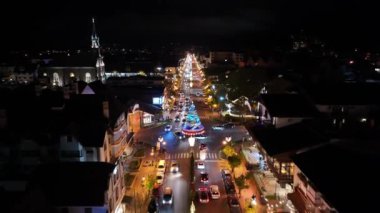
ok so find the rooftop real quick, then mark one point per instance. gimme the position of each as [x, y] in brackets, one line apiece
[345, 94]
[287, 139]
[288, 105]
[74, 183]
[344, 172]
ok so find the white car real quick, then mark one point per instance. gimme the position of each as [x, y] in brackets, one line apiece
[160, 177]
[174, 166]
[201, 165]
[214, 191]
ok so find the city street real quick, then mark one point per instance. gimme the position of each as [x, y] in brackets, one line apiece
[180, 150]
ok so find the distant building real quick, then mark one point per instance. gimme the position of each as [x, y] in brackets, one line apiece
[225, 57]
[62, 69]
[277, 145]
[281, 110]
[341, 102]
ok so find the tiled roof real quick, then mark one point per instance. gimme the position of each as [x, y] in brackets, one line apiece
[291, 138]
[288, 105]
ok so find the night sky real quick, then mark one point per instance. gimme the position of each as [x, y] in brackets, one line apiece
[27, 25]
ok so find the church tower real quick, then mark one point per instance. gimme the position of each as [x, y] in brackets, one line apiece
[94, 36]
[100, 69]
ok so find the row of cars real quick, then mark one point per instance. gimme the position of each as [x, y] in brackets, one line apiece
[229, 185]
[204, 193]
[167, 192]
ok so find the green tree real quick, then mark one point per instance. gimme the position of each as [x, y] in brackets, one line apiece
[234, 161]
[240, 182]
[229, 151]
[149, 182]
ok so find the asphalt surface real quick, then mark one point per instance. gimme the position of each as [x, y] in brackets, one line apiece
[179, 150]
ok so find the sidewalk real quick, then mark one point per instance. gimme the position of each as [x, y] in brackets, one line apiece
[246, 194]
[138, 195]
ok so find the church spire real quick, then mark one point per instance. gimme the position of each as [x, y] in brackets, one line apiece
[100, 68]
[94, 37]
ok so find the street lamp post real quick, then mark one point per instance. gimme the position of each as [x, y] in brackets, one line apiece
[192, 208]
[191, 143]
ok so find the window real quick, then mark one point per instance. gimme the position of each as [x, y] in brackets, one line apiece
[88, 210]
[88, 77]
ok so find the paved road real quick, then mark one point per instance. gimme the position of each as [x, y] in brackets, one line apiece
[179, 150]
[215, 178]
[179, 182]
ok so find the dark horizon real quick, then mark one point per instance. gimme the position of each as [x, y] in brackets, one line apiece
[44, 26]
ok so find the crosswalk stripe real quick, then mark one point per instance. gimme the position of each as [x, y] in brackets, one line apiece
[186, 155]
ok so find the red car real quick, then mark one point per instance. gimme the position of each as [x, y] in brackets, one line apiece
[203, 195]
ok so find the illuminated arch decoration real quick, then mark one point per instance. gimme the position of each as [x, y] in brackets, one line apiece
[193, 125]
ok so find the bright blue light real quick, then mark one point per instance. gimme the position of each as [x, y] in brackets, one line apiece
[221, 98]
[213, 86]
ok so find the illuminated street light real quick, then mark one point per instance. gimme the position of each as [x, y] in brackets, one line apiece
[191, 141]
[228, 139]
[160, 139]
[202, 155]
[192, 207]
[152, 152]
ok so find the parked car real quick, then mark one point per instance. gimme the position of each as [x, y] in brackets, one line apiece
[167, 198]
[152, 207]
[156, 190]
[203, 195]
[214, 191]
[160, 177]
[230, 187]
[226, 174]
[233, 202]
[161, 166]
